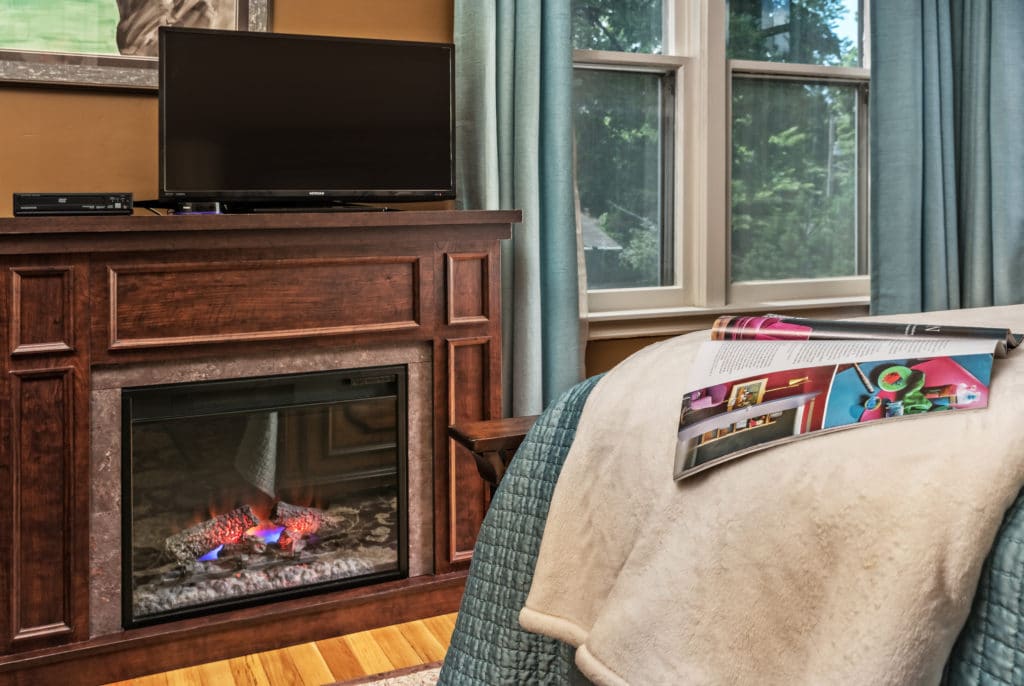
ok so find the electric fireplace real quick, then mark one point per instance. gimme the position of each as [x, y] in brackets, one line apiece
[93, 306]
[239, 491]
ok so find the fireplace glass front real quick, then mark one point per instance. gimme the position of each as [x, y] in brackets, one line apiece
[241, 491]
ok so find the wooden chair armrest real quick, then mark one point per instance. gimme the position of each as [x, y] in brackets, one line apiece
[492, 442]
[492, 434]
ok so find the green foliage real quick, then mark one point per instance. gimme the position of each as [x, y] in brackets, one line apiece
[800, 31]
[794, 162]
[618, 150]
[619, 25]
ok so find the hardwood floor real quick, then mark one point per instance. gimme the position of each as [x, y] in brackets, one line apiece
[321, 662]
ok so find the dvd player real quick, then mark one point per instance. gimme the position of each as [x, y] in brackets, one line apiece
[53, 204]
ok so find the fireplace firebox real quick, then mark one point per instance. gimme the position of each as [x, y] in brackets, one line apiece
[239, 491]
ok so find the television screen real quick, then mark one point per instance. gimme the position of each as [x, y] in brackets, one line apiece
[259, 117]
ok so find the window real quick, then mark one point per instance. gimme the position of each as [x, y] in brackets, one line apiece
[721, 152]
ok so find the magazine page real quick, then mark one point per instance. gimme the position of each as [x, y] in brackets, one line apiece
[749, 395]
[782, 327]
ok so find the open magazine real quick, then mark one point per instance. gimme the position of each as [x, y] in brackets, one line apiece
[766, 380]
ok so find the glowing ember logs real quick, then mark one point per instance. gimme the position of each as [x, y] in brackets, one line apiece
[291, 542]
[189, 544]
[300, 521]
[241, 531]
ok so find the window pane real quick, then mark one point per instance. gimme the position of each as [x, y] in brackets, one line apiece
[619, 166]
[619, 25]
[804, 31]
[794, 180]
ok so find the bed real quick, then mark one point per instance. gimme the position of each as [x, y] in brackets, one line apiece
[489, 646]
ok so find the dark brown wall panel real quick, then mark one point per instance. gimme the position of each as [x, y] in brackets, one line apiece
[468, 297]
[214, 302]
[42, 463]
[468, 363]
[42, 315]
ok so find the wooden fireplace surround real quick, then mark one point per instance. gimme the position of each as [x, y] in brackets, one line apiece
[81, 293]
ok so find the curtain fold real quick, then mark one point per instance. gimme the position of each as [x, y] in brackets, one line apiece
[514, 151]
[947, 200]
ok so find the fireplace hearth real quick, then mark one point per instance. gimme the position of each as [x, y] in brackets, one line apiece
[241, 491]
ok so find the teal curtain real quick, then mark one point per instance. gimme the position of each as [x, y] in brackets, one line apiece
[947, 154]
[514, 151]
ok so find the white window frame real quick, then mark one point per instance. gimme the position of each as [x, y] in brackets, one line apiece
[695, 49]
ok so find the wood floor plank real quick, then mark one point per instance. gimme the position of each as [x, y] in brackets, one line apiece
[426, 644]
[184, 677]
[369, 653]
[248, 671]
[151, 680]
[396, 647]
[215, 673]
[442, 627]
[340, 658]
[280, 669]
[310, 663]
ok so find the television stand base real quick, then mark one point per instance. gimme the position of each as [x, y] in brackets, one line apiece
[259, 208]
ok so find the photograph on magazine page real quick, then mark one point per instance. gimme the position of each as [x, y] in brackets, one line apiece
[727, 420]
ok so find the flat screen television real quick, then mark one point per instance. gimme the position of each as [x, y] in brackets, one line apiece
[257, 119]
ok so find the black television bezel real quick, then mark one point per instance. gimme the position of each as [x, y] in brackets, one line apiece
[254, 198]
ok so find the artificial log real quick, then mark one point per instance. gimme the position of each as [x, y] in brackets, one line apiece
[291, 542]
[299, 520]
[188, 545]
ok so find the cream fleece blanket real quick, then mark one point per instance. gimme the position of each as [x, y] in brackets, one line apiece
[847, 558]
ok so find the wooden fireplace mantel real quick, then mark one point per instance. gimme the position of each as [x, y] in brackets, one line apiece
[81, 293]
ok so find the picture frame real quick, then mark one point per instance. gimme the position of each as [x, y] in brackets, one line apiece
[746, 393]
[108, 71]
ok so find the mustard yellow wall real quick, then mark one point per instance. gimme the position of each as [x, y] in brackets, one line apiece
[425, 20]
[70, 140]
[602, 355]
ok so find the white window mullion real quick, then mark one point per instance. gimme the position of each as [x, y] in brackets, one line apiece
[707, 192]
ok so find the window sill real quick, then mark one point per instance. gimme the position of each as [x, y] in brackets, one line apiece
[671, 321]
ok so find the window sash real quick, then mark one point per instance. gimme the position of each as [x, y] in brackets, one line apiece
[672, 68]
[855, 285]
[665, 68]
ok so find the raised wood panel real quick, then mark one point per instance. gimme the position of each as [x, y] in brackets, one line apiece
[468, 391]
[180, 304]
[42, 312]
[468, 296]
[42, 470]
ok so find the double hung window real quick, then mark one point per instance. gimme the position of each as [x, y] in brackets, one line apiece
[721, 153]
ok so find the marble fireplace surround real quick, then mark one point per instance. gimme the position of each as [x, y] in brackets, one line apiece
[105, 449]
